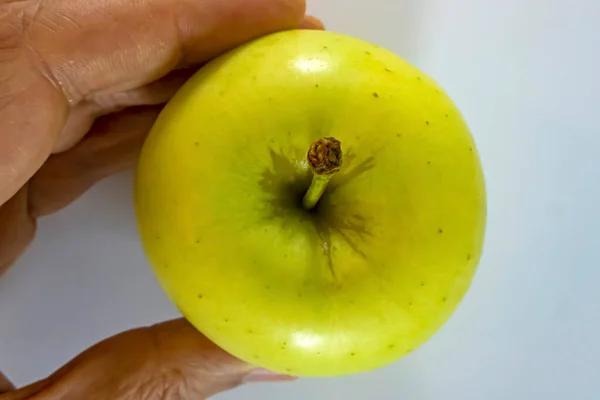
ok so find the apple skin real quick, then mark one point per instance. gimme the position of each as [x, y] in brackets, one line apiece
[353, 285]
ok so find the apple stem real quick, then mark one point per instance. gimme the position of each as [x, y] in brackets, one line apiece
[316, 190]
[325, 159]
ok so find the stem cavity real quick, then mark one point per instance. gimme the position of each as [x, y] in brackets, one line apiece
[325, 159]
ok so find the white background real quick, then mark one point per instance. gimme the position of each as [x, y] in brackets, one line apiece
[524, 73]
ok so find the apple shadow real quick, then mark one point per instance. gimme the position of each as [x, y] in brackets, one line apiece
[285, 201]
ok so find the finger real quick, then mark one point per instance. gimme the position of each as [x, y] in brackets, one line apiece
[121, 45]
[209, 369]
[112, 146]
[32, 114]
[17, 229]
[83, 115]
[167, 360]
[311, 22]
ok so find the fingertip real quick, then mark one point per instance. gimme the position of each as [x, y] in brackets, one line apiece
[311, 22]
[264, 375]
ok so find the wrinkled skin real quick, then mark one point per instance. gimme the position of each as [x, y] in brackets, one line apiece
[166, 361]
[81, 82]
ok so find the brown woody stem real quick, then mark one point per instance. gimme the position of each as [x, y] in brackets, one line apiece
[325, 159]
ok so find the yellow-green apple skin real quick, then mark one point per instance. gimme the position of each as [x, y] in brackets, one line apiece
[361, 280]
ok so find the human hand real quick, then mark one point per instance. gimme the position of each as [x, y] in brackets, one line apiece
[81, 83]
[165, 361]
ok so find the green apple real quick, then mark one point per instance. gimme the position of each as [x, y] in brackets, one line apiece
[312, 203]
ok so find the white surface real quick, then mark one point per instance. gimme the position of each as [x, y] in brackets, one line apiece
[524, 75]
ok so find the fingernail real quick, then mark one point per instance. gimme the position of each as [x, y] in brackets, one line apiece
[263, 375]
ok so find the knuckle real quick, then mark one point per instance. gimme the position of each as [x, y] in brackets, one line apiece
[20, 23]
[16, 20]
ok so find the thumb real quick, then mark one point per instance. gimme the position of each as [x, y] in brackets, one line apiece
[171, 360]
[202, 368]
